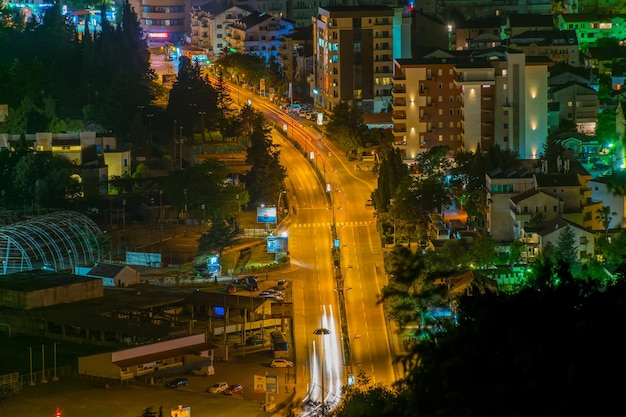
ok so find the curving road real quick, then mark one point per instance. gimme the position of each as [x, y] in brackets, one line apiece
[315, 290]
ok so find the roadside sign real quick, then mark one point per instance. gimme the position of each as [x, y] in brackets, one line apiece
[271, 383]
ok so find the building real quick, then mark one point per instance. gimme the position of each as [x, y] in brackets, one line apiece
[471, 100]
[112, 275]
[259, 34]
[353, 57]
[518, 23]
[579, 106]
[485, 31]
[591, 26]
[426, 104]
[151, 359]
[163, 21]
[501, 186]
[537, 238]
[561, 46]
[604, 189]
[296, 58]
[210, 26]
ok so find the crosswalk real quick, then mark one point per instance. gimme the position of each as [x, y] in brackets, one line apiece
[329, 224]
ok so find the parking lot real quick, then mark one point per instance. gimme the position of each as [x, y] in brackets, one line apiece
[87, 397]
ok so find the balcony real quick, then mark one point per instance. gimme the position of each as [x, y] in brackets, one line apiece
[398, 117]
[399, 77]
[398, 104]
[399, 129]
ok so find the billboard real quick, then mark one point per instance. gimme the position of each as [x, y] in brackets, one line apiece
[259, 383]
[277, 244]
[266, 214]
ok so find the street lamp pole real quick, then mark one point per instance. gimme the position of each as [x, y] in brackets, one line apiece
[202, 114]
[185, 218]
[43, 365]
[181, 147]
[149, 140]
[54, 378]
[161, 213]
[30, 355]
[322, 332]
[203, 217]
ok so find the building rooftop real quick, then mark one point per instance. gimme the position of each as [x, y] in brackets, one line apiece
[35, 280]
[557, 180]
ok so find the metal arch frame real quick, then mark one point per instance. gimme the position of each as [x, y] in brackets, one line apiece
[5, 258]
[51, 239]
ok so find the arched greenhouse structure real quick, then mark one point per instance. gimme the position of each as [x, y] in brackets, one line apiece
[57, 241]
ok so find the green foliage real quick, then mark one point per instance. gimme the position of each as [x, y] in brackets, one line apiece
[244, 68]
[483, 252]
[101, 78]
[606, 127]
[264, 181]
[566, 246]
[219, 236]
[515, 251]
[346, 127]
[370, 401]
[391, 173]
[552, 151]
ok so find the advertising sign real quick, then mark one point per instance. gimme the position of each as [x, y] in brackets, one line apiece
[266, 214]
[271, 383]
[259, 384]
[277, 244]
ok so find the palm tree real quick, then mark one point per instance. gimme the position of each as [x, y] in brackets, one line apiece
[605, 215]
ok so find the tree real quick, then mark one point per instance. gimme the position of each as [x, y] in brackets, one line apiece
[483, 252]
[566, 246]
[346, 127]
[605, 215]
[552, 151]
[515, 251]
[220, 236]
[391, 173]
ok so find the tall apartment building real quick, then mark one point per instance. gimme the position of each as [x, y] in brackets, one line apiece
[480, 99]
[426, 105]
[353, 57]
[163, 20]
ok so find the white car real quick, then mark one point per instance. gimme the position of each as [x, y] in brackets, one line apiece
[281, 363]
[218, 387]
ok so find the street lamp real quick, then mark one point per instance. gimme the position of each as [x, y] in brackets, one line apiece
[185, 218]
[202, 114]
[322, 332]
[43, 365]
[54, 378]
[181, 147]
[149, 141]
[280, 196]
[203, 217]
[161, 213]
[30, 355]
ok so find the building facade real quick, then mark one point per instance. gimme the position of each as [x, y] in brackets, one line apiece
[163, 20]
[353, 57]
[259, 34]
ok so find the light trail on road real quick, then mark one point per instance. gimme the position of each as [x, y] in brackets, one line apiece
[327, 378]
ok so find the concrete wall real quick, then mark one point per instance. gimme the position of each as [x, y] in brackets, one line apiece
[52, 296]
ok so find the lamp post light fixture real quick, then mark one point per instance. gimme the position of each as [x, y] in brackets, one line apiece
[322, 332]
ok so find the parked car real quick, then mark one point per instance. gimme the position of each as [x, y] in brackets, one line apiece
[230, 288]
[252, 283]
[281, 283]
[281, 363]
[178, 382]
[234, 389]
[218, 387]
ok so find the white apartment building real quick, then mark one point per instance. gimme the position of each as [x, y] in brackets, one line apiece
[210, 26]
